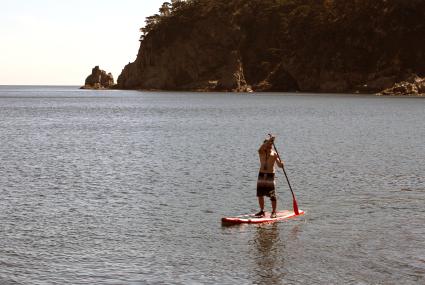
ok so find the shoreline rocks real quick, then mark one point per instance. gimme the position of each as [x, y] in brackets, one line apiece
[413, 86]
[99, 79]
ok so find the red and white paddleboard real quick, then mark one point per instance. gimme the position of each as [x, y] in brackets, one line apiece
[252, 219]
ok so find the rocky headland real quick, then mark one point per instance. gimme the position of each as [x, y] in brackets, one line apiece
[99, 79]
[337, 46]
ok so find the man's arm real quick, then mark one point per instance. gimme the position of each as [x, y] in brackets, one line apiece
[279, 162]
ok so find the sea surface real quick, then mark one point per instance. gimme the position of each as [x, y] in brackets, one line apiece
[128, 187]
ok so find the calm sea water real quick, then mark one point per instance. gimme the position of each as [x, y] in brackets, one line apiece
[115, 187]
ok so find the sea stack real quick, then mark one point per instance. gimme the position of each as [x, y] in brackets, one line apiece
[99, 79]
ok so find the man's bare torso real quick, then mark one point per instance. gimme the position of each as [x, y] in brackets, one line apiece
[267, 161]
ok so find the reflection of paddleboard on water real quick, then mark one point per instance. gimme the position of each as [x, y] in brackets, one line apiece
[252, 219]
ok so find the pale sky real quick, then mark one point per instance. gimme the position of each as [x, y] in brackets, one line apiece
[58, 42]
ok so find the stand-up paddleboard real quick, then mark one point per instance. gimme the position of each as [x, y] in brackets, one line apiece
[252, 219]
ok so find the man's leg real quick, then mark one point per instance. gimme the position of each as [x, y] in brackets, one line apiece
[274, 205]
[261, 202]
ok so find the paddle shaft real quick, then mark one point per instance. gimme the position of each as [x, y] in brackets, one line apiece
[289, 184]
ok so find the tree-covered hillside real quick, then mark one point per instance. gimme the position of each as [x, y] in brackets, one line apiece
[280, 45]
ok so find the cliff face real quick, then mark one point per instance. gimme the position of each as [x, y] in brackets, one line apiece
[280, 45]
[184, 52]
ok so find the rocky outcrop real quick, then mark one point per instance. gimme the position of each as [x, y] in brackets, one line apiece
[413, 86]
[267, 45]
[99, 79]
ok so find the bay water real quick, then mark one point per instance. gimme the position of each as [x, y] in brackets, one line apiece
[128, 187]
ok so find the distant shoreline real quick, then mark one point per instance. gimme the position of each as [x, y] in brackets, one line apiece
[77, 87]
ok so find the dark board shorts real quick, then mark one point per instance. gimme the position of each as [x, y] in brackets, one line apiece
[266, 186]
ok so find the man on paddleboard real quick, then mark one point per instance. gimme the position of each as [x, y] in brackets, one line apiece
[265, 182]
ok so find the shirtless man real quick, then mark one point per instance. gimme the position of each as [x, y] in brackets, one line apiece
[266, 183]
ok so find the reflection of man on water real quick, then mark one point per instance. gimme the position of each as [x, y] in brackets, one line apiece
[266, 183]
[269, 255]
[273, 245]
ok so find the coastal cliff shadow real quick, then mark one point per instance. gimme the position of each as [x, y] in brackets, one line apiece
[269, 255]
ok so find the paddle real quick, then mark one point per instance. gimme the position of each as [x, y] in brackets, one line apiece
[294, 201]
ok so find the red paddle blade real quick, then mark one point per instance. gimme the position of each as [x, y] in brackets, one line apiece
[295, 207]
